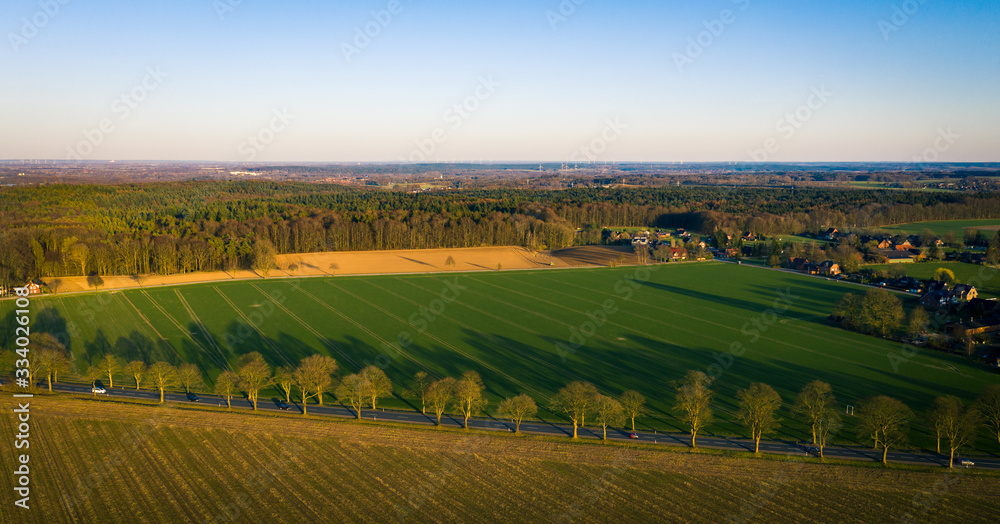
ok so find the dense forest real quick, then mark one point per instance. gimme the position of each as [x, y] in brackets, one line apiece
[57, 230]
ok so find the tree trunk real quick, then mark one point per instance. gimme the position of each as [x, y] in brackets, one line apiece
[885, 454]
[161, 395]
[951, 459]
[288, 396]
[50, 382]
[633, 423]
[466, 420]
[517, 426]
[756, 445]
[693, 435]
[574, 429]
[439, 418]
[939, 444]
[229, 404]
[814, 434]
[423, 407]
[605, 437]
[111, 381]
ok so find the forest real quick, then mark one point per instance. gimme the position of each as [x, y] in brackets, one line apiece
[170, 227]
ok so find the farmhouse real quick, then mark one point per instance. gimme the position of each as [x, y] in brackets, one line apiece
[831, 234]
[33, 287]
[678, 253]
[897, 257]
[904, 246]
[829, 268]
[973, 327]
[965, 291]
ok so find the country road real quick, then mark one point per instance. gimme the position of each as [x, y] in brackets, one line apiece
[672, 439]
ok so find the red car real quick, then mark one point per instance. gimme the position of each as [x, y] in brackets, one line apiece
[633, 435]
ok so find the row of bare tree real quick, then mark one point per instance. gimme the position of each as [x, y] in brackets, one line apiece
[884, 420]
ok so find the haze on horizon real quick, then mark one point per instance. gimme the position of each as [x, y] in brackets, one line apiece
[556, 80]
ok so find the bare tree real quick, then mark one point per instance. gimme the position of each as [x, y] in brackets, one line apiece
[254, 374]
[320, 370]
[93, 374]
[573, 401]
[285, 379]
[957, 423]
[189, 376]
[827, 423]
[353, 390]
[813, 402]
[757, 406]
[608, 412]
[376, 382]
[110, 365]
[227, 384]
[163, 376]
[693, 402]
[886, 420]
[136, 369]
[439, 395]
[517, 409]
[634, 405]
[989, 406]
[468, 395]
[421, 382]
[641, 254]
[450, 261]
[49, 358]
[57, 363]
[936, 415]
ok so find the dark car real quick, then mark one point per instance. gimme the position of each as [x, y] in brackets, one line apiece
[192, 397]
[283, 406]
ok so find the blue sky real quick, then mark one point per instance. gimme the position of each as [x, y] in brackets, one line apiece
[538, 80]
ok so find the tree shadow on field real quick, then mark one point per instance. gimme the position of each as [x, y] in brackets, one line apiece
[240, 338]
[50, 320]
[704, 296]
[96, 348]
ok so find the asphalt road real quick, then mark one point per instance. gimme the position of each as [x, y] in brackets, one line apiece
[540, 428]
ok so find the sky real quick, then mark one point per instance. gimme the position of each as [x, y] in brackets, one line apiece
[552, 80]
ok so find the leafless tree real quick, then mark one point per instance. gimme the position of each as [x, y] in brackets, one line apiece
[517, 409]
[758, 403]
[693, 402]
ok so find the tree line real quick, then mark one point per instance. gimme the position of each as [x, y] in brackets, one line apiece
[131, 229]
[882, 419]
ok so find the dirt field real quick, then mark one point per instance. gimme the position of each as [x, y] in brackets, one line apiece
[380, 262]
[100, 461]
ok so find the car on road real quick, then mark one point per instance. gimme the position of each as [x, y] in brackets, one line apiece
[283, 406]
[812, 449]
[192, 397]
[633, 435]
[967, 463]
[98, 389]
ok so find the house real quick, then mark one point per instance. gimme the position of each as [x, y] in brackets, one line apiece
[977, 308]
[938, 299]
[897, 257]
[702, 244]
[732, 252]
[798, 263]
[905, 246]
[678, 253]
[640, 241]
[965, 292]
[973, 327]
[810, 269]
[33, 287]
[885, 244]
[749, 237]
[830, 234]
[829, 268]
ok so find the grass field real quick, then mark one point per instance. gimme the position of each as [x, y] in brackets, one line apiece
[95, 461]
[636, 329]
[941, 227]
[965, 273]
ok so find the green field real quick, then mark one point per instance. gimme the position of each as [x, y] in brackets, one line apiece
[988, 277]
[96, 461]
[941, 227]
[656, 324]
